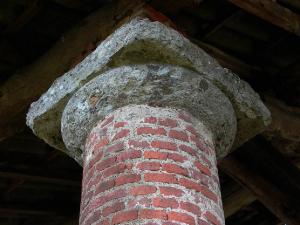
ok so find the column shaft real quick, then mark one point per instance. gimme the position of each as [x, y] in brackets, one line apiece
[149, 165]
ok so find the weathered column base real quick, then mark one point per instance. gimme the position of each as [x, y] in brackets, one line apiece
[150, 165]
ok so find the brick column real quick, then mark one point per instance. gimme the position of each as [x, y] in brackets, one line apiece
[147, 165]
[125, 112]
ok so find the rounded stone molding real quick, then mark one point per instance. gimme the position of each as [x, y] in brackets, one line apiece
[158, 85]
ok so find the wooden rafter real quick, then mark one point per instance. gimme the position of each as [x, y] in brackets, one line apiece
[38, 178]
[27, 85]
[272, 12]
[236, 201]
[270, 178]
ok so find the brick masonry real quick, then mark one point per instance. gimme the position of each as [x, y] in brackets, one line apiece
[147, 165]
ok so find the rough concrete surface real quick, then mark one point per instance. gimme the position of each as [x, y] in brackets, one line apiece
[155, 85]
[140, 42]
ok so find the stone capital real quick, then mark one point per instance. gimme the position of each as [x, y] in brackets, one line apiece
[150, 63]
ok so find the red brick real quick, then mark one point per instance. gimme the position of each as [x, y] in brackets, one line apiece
[86, 198]
[96, 158]
[160, 177]
[179, 135]
[104, 186]
[103, 222]
[119, 168]
[165, 203]
[170, 191]
[209, 194]
[212, 218]
[152, 120]
[123, 217]
[96, 203]
[118, 206]
[119, 193]
[199, 176]
[170, 223]
[188, 150]
[155, 155]
[120, 124]
[105, 163]
[202, 168]
[99, 201]
[202, 222]
[143, 190]
[97, 179]
[153, 214]
[190, 207]
[185, 116]
[88, 176]
[139, 202]
[100, 144]
[132, 154]
[164, 145]
[128, 178]
[121, 134]
[154, 166]
[107, 121]
[115, 147]
[190, 184]
[168, 122]
[173, 168]
[200, 144]
[181, 217]
[176, 157]
[192, 130]
[150, 130]
[204, 159]
[139, 144]
[94, 217]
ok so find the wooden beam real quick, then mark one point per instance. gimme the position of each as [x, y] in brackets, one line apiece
[269, 176]
[237, 201]
[34, 6]
[17, 93]
[74, 221]
[15, 211]
[271, 12]
[285, 120]
[78, 5]
[45, 208]
[42, 179]
[238, 66]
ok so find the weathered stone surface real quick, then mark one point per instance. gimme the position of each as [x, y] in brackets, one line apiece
[158, 85]
[141, 42]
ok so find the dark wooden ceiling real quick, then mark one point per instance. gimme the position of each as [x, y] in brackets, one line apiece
[41, 186]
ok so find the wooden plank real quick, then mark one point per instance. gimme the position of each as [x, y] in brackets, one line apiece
[238, 66]
[271, 179]
[271, 12]
[17, 93]
[237, 201]
[33, 8]
[9, 211]
[74, 221]
[37, 178]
